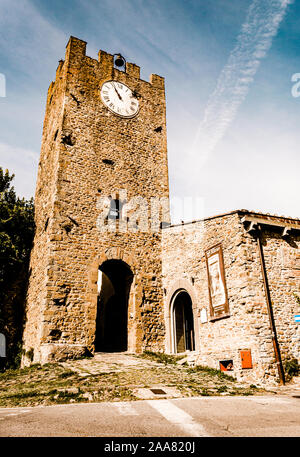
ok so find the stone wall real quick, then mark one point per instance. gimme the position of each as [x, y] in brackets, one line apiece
[45, 194]
[248, 326]
[282, 258]
[89, 153]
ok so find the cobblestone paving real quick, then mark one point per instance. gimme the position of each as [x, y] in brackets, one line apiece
[106, 362]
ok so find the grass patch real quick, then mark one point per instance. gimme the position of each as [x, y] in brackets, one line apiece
[222, 389]
[55, 383]
[66, 374]
[161, 357]
[211, 372]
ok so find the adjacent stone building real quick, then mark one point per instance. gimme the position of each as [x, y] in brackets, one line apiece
[108, 272]
[256, 259]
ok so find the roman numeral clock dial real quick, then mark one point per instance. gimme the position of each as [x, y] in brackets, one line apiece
[119, 99]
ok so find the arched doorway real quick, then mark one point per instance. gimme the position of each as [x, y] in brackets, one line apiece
[114, 282]
[183, 323]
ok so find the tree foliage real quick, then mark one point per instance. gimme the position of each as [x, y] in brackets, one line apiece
[16, 235]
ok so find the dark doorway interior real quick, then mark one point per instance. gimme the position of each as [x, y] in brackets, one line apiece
[112, 307]
[183, 323]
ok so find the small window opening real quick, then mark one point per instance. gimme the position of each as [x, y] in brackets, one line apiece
[108, 161]
[115, 209]
[226, 365]
[46, 223]
[75, 99]
[55, 334]
[67, 139]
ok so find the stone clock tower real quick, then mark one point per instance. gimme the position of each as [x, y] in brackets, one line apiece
[95, 273]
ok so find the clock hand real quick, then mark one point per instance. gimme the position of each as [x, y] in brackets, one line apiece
[117, 92]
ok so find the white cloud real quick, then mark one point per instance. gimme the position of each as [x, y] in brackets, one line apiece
[261, 25]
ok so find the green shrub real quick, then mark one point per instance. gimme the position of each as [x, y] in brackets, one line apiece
[291, 367]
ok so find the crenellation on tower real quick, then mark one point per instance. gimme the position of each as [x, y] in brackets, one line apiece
[133, 70]
[59, 68]
[106, 61]
[75, 48]
[157, 81]
[76, 54]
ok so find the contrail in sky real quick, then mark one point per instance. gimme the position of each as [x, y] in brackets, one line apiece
[255, 39]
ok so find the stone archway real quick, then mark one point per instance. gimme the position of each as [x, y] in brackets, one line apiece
[115, 279]
[133, 293]
[179, 287]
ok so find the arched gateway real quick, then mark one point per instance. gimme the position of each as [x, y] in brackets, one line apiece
[114, 283]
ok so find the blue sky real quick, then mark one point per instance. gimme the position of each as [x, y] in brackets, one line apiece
[232, 142]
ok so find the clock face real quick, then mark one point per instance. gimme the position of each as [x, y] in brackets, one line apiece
[119, 99]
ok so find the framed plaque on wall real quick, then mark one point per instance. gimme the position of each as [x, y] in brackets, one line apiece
[218, 299]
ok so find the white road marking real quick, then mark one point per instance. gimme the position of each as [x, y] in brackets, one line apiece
[270, 400]
[178, 417]
[126, 409]
[5, 410]
[16, 413]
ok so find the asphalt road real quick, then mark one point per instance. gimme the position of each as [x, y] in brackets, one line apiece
[266, 416]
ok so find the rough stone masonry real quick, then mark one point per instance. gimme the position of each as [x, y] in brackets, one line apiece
[196, 288]
[87, 152]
